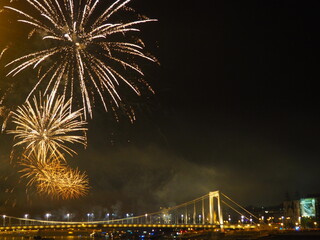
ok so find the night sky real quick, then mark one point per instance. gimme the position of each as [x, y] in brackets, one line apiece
[236, 109]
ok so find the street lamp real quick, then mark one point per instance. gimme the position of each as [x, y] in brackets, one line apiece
[4, 220]
[47, 216]
[127, 216]
[26, 216]
[68, 216]
[90, 215]
[146, 215]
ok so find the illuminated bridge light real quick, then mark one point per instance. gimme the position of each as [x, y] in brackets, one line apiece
[154, 219]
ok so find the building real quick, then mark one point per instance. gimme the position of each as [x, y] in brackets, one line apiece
[291, 212]
[304, 212]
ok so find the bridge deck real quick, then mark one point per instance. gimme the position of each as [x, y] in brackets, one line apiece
[85, 226]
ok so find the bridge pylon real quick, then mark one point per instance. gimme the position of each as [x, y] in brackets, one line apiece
[212, 213]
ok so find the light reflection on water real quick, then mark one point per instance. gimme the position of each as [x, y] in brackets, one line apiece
[55, 238]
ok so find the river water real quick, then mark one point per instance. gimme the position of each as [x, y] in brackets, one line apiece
[304, 236]
[55, 238]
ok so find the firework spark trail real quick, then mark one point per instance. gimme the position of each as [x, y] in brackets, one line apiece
[46, 125]
[83, 51]
[3, 51]
[53, 178]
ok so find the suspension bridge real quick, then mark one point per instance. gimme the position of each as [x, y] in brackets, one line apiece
[214, 210]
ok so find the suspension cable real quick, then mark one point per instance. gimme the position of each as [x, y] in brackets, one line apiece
[239, 206]
[234, 209]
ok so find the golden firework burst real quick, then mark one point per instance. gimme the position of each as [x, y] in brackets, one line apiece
[91, 51]
[53, 178]
[47, 125]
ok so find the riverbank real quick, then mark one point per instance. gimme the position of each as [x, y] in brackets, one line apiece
[252, 235]
[303, 235]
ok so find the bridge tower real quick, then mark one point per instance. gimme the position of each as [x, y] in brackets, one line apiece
[212, 214]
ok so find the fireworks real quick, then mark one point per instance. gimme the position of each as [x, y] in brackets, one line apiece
[84, 54]
[87, 52]
[52, 178]
[46, 125]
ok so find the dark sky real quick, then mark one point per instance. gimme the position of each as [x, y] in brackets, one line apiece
[236, 109]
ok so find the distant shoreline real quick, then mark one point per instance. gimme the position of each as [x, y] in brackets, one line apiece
[255, 235]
